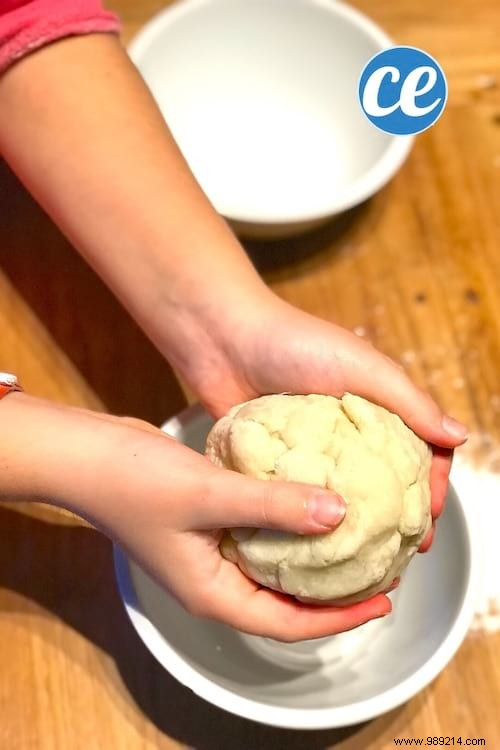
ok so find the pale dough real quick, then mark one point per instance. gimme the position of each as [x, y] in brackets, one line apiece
[365, 453]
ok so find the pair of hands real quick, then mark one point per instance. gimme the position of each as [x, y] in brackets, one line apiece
[182, 275]
[162, 501]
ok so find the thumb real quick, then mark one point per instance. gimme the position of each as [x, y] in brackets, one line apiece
[232, 500]
[374, 376]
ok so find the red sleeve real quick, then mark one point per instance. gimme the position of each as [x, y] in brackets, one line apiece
[26, 25]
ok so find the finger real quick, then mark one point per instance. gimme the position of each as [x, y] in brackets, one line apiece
[426, 544]
[439, 477]
[393, 585]
[240, 603]
[376, 377]
[231, 499]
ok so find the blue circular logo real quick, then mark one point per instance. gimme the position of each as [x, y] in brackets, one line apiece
[402, 90]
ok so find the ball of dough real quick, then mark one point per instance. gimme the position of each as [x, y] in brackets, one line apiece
[365, 453]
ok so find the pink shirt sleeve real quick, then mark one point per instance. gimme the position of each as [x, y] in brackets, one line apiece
[26, 25]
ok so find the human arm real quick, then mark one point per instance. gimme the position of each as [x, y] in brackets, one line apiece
[161, 502]
[79, 127]
[99, 157]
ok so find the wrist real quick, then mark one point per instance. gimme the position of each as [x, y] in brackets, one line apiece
[19, 472]
[211, 320]
[46, 450]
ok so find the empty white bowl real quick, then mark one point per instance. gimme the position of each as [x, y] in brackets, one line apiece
[262, 98]
[330, 682]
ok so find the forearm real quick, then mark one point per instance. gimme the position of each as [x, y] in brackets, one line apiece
[93, 464]
[79, 127]
[42, 445]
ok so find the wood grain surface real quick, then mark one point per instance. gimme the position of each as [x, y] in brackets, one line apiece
[416, 270]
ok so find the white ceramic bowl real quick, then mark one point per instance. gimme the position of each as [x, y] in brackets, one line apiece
[262, 97]
[330, 682]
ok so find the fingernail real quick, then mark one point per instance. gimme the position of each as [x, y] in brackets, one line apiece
[326, 509]
[454, 428]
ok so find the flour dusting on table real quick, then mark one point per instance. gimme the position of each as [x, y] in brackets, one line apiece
[477, 479]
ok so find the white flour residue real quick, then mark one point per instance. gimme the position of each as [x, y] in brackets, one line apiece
[477, 480]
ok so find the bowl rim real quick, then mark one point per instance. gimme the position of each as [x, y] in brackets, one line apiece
[367, 184]
[303, 718]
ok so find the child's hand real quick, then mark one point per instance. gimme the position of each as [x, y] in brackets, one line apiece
[180, 272]
[162, 501]
[277, 348]
[186, 280]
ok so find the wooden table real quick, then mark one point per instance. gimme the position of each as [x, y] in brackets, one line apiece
[417, 271]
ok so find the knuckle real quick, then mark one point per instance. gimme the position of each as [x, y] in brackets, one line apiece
[209, 488]
[396, 366]
[286, 635]
[286, 638]
[287, 630]
[200, 605]
[215, 496]
[432, 405]
[271, 498]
